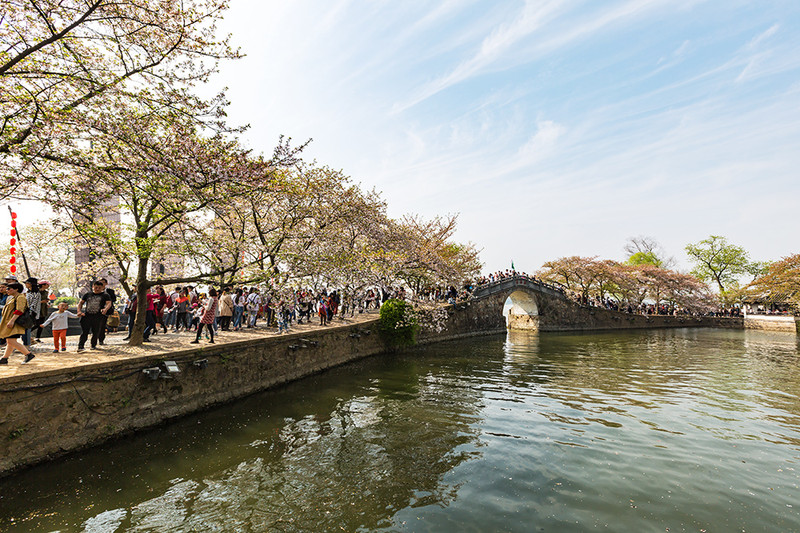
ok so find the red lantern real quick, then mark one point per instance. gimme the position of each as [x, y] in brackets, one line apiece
[13, 241]
[13, 232]
[12, 260]
[13, 250]
[13, 223]
[13, 268]
[13, 215]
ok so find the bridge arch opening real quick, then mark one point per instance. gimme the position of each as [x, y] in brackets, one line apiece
[521, 311]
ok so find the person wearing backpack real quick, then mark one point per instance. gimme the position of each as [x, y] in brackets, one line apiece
[16, 305]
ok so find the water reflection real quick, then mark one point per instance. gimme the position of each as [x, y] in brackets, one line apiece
[680, 429]
[339, 450]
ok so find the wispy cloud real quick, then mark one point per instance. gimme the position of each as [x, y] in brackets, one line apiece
[602, 118]
[502, 38]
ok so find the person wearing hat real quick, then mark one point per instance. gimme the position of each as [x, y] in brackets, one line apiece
[34, 304]
[44, 307]
[16, 304]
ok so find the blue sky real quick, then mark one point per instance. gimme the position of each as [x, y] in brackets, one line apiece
[552, 127]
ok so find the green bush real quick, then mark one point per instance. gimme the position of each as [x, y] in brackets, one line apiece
[68, 299]
[398, 323]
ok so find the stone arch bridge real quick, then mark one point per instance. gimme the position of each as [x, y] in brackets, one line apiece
[522, 303]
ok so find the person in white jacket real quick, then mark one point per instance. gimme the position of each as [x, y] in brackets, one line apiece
[60, 320]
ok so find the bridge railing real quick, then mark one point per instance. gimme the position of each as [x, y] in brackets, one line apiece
[485, 289]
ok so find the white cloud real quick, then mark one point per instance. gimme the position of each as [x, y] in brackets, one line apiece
[542, 143]
[565, 126]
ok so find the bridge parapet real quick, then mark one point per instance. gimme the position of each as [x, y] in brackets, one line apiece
[516, 282]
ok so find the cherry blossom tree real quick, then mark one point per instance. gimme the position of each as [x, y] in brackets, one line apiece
[65, 63]
[780, 283]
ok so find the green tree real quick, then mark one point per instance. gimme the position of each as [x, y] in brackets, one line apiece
[398, 323]
[643, 250]
[720, 262]
[645, 258]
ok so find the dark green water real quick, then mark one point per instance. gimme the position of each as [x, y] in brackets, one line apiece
[686, 430]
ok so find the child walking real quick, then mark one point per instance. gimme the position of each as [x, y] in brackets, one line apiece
[60, 321]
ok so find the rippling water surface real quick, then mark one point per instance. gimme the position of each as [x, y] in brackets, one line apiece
[669, 430]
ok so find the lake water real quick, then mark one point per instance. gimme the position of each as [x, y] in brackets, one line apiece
[664, 430]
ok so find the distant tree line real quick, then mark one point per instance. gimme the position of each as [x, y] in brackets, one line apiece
[648, 276]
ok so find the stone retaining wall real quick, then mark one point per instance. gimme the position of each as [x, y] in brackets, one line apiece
[51, 413]
[786, 324]
[485, 316]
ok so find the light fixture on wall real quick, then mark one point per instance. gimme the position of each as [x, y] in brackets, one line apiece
[152, 373]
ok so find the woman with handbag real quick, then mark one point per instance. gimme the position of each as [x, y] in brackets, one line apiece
[16, 305]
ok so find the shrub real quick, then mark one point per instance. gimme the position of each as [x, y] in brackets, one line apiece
[398, 323]
[68, 299]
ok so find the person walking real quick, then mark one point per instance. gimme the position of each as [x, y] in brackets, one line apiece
[171, 310]
[60, 321]
[182, 308]
[253, 306]
[238, 309]
[91, 308]
[160, 306]
[283, 317]
[225, 310]
[130, 309]
[113, 295]
[207, 319]
[16, 304]
[150, 315]
[44, 307]
[323, 311]
[3, 298]
[34, 299]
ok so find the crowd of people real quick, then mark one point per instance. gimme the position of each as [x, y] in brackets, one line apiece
[206, 312]
[190, 309]
[181, 309]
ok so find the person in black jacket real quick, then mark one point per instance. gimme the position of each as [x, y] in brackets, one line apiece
[130, 308]
[113, 296]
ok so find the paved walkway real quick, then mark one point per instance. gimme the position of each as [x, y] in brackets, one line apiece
[115, 348]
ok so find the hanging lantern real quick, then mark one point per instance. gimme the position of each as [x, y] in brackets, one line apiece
[13, 268]
[12, 251]
[13, 215]
[12, 260]
[13, 232]
[13, 241]
[13, 223]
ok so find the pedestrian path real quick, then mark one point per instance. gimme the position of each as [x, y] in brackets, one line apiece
[116, 348]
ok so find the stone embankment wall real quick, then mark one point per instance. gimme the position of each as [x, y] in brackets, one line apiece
[51, 413]
[786, 324]
[484, 315]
